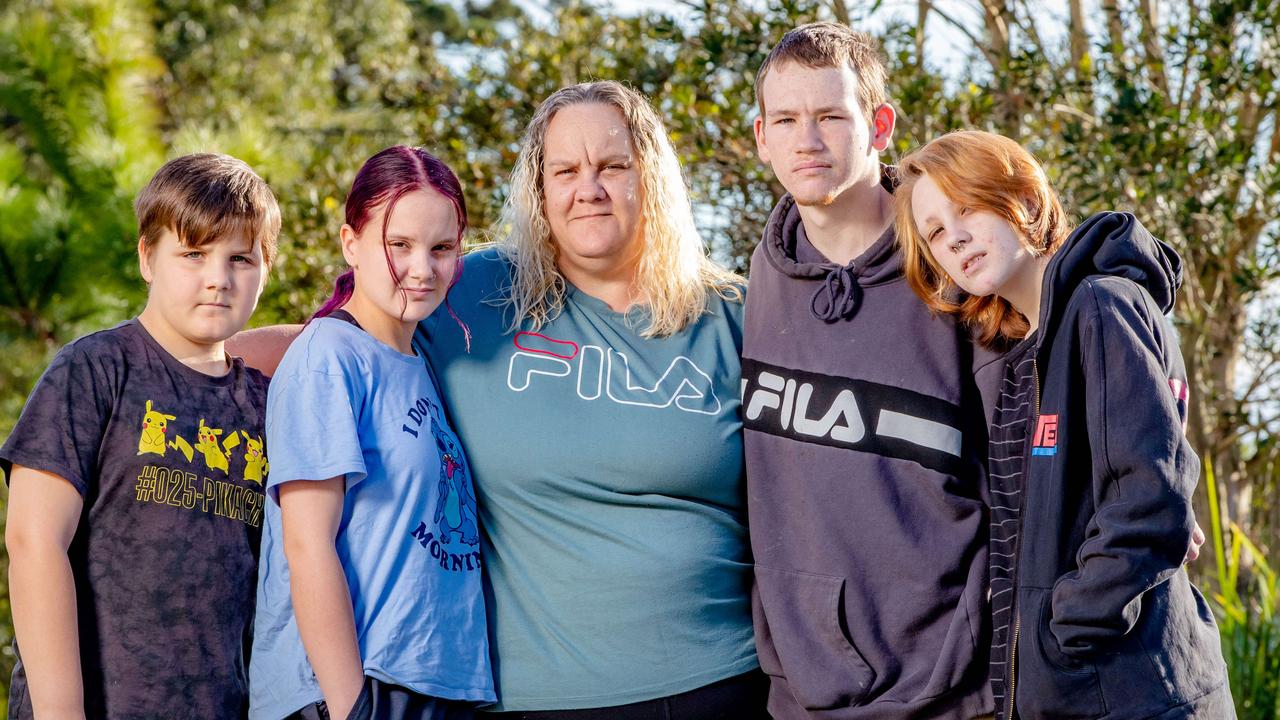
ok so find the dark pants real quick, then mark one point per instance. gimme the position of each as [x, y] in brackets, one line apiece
[737, 698]
[383, 701]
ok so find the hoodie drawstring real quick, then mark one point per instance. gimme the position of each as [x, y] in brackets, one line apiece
[838, 296]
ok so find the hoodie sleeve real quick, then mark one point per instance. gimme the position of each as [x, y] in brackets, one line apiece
[1144, 471]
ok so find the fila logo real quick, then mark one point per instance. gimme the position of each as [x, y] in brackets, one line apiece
[605, 372]
[854, 414]
[1045, 441]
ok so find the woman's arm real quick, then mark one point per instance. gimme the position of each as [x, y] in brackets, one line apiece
[44, 511]
[310, 514]
[263, 347]
[1144, 473]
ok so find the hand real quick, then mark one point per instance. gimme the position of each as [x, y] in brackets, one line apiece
[1197, 541]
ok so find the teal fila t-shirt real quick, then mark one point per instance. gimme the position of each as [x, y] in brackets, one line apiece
[609, 474]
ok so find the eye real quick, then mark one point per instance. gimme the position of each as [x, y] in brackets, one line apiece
[832, 117]
[565, 172]
[242, 259]
[784, 121]
[397, 243]
[193, 254]
[934, 234]
[444, 247]
[964, 210]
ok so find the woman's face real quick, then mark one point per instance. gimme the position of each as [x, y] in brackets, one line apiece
[981, 251]
[592, 190]
[422, 242]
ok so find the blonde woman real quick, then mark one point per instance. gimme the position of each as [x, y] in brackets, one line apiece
[599, 406]
[593, 376]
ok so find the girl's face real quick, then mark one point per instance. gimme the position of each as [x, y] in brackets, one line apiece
[422, 244]
[982, 252]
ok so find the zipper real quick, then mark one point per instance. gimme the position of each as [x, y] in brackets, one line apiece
[1017, 547]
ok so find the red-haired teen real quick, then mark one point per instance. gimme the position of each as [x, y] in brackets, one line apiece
[1091, 474]
[369, 595]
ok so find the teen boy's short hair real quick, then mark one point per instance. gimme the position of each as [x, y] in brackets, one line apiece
[830, 45]
[206, 196]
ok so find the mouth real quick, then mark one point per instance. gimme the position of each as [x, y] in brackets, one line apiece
[216, 305]
[591, 216]
[802, 167]
[419, 292]
[971, 262]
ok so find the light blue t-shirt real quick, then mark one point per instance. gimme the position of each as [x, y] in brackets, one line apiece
[610, 475]
[344, 404]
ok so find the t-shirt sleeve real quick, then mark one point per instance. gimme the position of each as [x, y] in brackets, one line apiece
[313, 427]
[61, 427]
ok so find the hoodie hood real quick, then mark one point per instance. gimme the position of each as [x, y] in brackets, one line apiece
[837, 290]
[1109, 243]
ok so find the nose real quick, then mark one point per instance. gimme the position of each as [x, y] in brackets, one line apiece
[810, 139]
[217, 275]
[959, 239]
[420, 267]
[589, 189]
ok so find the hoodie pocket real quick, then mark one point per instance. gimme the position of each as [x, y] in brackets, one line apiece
[1051, 685]
[804, 613]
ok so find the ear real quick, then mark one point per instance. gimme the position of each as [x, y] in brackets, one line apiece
[883, 121]
[761, 149]
[144, 261]
[349, 240]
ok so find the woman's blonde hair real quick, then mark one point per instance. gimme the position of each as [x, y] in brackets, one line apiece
[982, 171]
[674, 273]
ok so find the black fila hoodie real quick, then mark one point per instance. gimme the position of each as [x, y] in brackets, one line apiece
[864, 444]
[1107, 624]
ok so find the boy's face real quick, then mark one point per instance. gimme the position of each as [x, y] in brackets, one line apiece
[815, 134]
[203, 295]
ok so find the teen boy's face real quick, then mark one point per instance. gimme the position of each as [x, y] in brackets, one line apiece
[203, 295]
[815, 133]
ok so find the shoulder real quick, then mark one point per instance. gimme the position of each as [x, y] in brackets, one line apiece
[326, 346]
[1106, 296]
[110, 343]
[487, 267]
[727, 301]
[102, 354]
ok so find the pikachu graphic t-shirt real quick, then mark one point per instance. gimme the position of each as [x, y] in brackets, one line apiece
[171, 464]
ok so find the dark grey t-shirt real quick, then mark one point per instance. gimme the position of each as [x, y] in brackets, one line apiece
[170, 463]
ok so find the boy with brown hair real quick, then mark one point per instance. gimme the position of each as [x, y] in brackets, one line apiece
[864, 435]
[134, 507]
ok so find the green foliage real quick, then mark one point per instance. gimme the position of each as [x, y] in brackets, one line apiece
[1247, 620]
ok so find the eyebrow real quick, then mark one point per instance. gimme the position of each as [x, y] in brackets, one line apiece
[825, 110]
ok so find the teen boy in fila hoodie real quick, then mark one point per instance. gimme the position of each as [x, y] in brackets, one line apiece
[864, 433]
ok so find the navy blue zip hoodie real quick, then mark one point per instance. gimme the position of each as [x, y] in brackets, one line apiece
[864, 440]
[1107, 625]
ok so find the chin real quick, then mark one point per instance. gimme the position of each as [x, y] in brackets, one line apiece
[815, 199]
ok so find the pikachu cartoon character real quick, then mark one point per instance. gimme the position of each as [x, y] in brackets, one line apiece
[154, 426]
[255, 461]
[215, 455]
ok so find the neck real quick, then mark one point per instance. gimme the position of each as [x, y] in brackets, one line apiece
[390, 331]
[210, 359]
[851, 224]
[1023, 293]
[615, 287]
